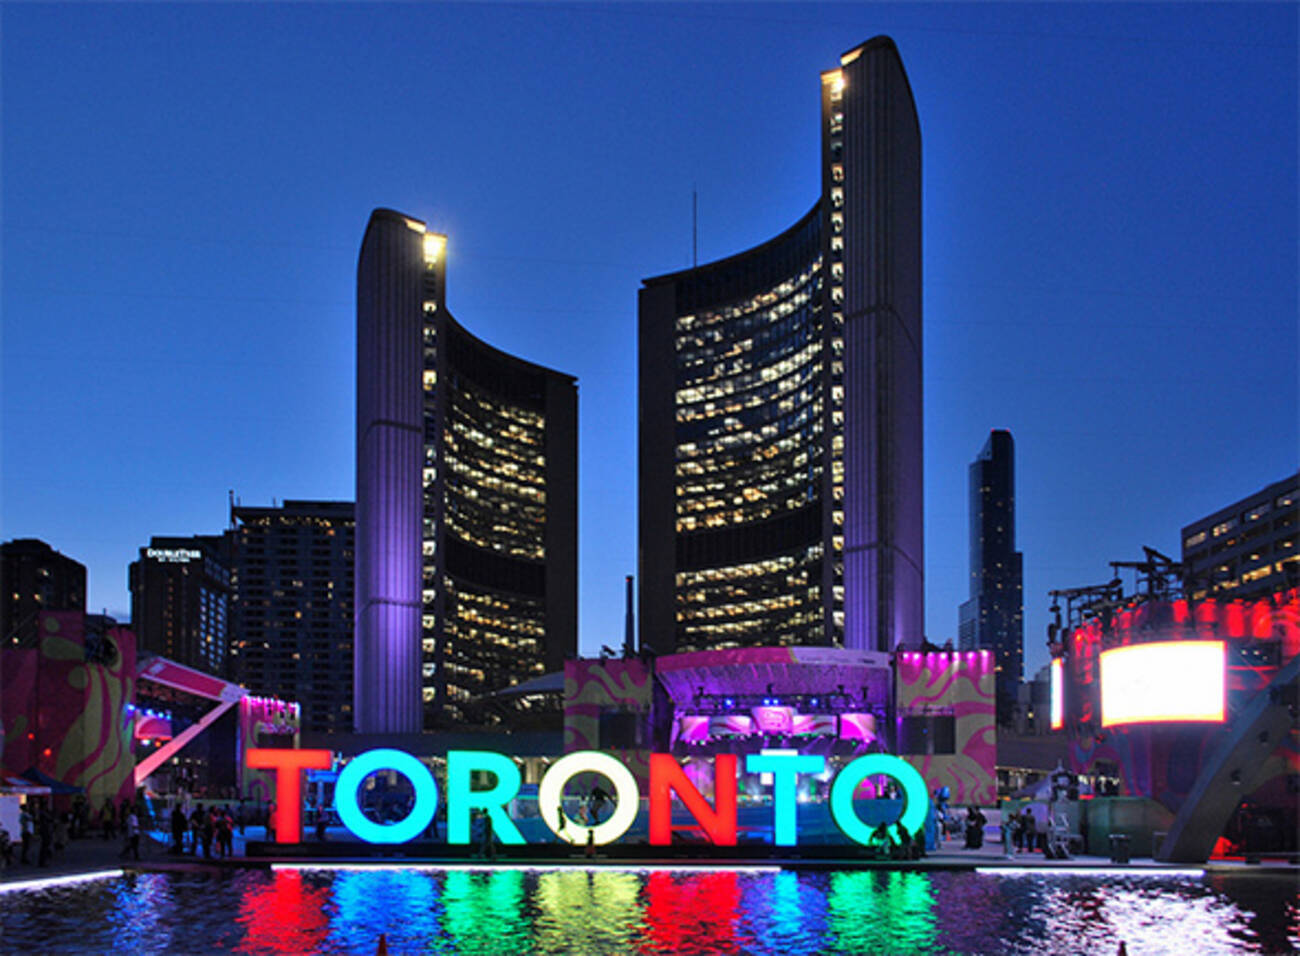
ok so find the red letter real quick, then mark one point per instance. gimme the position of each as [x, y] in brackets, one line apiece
[289, 765]
[719, 822]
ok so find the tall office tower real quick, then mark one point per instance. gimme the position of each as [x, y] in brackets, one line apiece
[35, 578]
[467, 498]
[994, 616]
[293, 582]
[180, 601]
[780, 405]
[1249, 549]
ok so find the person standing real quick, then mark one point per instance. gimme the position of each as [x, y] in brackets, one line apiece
[108, 819]
[207, 831]
[225, 834]
[45, 831]
[178, 830]
[1028, 834]
[27, 831]
[132, 829]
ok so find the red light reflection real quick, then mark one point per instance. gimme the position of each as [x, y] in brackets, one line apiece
[683, 912]
[284, 916]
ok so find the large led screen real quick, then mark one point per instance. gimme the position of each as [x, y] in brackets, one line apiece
[1058, 695]
[1169, 681]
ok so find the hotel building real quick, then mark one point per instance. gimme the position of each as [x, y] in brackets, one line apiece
[780, 406]
[180, 601]
[466, 511]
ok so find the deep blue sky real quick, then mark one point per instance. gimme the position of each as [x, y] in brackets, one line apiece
[1110, 202]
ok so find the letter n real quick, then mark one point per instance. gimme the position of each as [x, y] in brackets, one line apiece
[718, 821]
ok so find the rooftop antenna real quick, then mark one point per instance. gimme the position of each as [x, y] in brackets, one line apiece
[695, 228]
[629, 625]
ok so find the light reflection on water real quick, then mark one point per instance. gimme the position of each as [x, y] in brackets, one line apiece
[563, 911]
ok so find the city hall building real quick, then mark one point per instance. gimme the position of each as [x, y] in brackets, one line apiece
[466, 510]
[780, 468]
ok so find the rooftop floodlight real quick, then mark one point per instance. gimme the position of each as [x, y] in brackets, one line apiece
[434, 246]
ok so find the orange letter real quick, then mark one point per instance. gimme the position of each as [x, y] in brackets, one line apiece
[719, 822]
[289, 765]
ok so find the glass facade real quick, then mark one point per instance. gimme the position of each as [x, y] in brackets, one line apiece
[484, 549]
[750, 448]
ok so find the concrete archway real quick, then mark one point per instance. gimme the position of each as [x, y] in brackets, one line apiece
[1235, 767]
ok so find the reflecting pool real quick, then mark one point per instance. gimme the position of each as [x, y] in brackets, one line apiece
[511, 911]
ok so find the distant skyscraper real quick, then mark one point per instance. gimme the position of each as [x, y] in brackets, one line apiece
[293, 619]
[780, 405]
[1247, 549]
[467, 517]
[34, 578]
[993, 618]
[180, 601]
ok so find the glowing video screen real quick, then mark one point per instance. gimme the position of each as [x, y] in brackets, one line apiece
[1168, 681]
[1058, 695]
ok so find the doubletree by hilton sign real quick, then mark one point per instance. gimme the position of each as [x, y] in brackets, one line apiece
[666, 778]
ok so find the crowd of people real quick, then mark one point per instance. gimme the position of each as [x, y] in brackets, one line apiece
[44, 833]
[206, 828]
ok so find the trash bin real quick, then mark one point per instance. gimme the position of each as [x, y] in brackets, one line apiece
[1119, 847]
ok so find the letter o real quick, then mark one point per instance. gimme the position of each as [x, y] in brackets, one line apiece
[627, 797]
[916, 798]
[349, 783]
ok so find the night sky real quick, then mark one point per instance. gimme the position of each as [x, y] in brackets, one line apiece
[1110, 236]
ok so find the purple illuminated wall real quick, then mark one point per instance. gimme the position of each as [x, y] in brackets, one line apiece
[883, 558]
[389, 460]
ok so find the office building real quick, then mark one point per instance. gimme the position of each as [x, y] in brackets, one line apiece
[994, 617]
[293, 582]
[780, 406]
[35, 578]
[1248, 549]
[180, 601]
[466, 514]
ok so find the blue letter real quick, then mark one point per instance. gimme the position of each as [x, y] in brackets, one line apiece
[360, 767]
[785, 769]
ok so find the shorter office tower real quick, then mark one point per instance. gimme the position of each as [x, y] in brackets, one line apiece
[293, 620]
[180, 601]
[36, 578]
[1248, 549]
[467, 499]
[993, 618]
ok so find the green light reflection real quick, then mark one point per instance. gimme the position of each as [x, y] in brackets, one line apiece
[882, 912]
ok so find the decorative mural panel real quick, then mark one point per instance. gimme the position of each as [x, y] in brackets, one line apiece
[66, 706]
[596, 689]
[960, 685]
